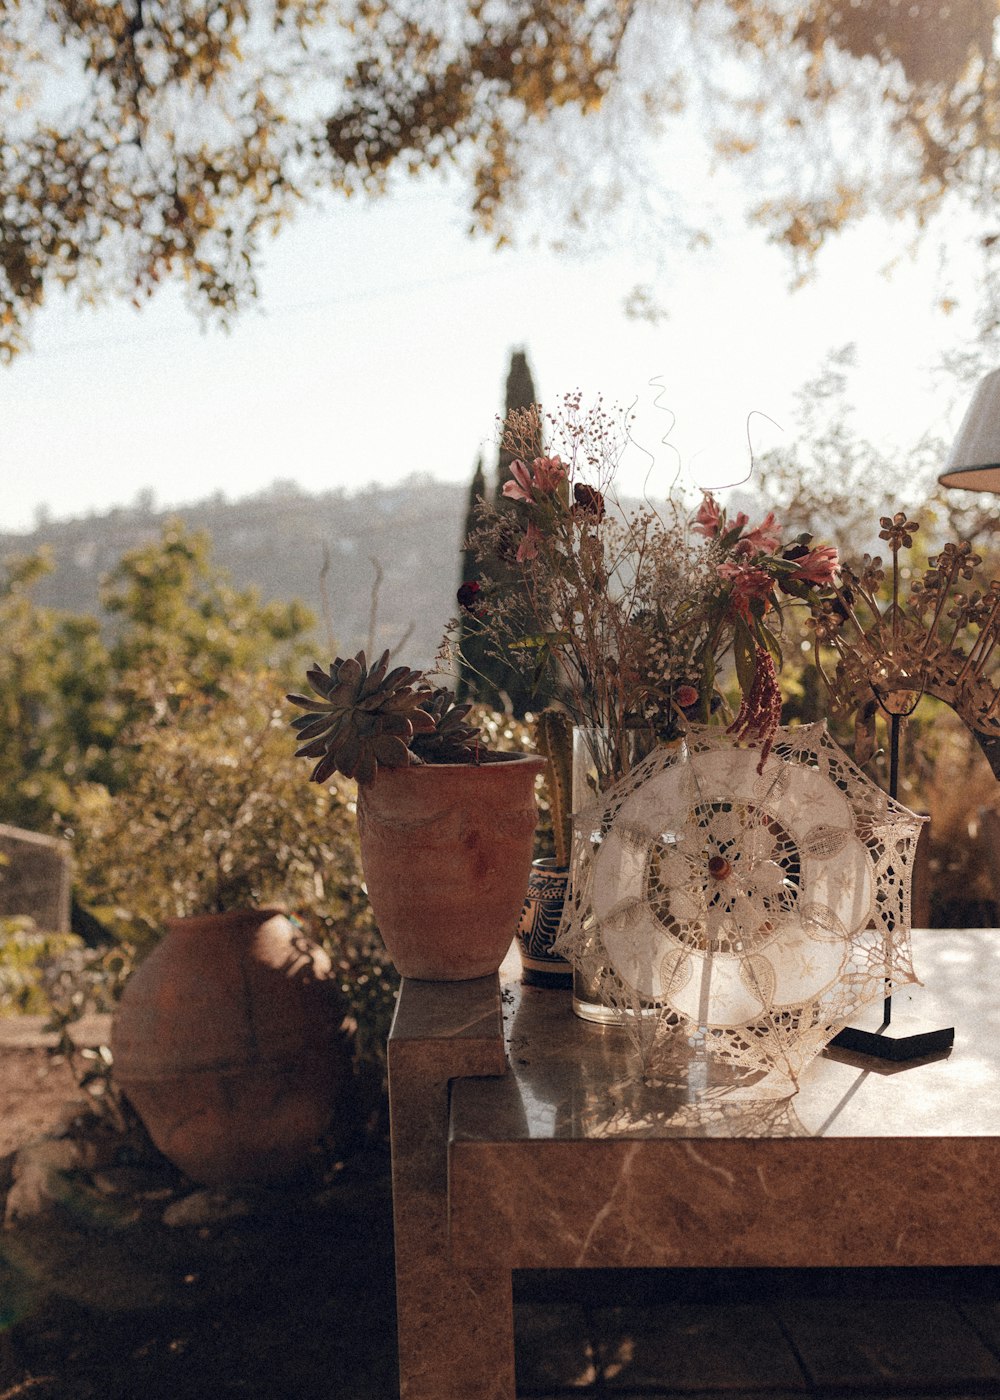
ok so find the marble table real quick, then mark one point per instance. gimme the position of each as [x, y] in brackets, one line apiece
[522, 1137]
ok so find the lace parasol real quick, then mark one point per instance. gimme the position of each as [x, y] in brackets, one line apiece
[749, 913]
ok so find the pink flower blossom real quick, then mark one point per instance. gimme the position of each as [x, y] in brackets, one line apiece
[764, 538]
[520, 488]
[549, 474]
[687, 695]
[543, 477]
[706, 522]
[818, 566]
[528, 548]
[748, 581]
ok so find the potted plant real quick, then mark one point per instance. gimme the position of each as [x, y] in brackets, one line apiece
[228, 1038]
[542, 912]
[446, 827]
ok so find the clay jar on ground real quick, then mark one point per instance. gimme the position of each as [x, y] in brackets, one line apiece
[228, 1044]
[446, 850]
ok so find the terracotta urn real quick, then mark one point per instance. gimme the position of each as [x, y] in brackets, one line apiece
[228, 1044]
[446, 850]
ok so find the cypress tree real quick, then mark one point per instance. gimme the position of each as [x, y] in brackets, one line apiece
[488, 678]
[519, 393]
[471, 658]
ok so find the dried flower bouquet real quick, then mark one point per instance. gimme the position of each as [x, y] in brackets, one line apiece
[637, 611]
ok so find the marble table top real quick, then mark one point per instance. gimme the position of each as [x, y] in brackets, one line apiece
[570, 1079]
[570, 1159]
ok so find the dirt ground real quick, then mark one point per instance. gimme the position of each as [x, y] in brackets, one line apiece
[295, 1300]
[35, 1089]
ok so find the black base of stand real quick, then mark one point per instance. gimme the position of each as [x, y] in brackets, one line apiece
[903, 1038]
[536, 977]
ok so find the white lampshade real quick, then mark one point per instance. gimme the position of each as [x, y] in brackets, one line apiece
[974, 460]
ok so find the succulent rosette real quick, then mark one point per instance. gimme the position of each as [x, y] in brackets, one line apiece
[363, 718]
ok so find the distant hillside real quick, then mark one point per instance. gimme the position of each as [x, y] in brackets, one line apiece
[275, 542]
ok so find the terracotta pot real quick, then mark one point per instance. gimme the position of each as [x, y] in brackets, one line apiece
[227, 1042]
[446, 850]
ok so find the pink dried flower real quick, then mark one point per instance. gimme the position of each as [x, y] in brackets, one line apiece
[748, 581]
[760, 711]
[520, 488]
[708, 518]
[528, 548]
[764, 538]
[468, 597]
[544, 476]
[687, 695]
[549, 474]
[818, 566]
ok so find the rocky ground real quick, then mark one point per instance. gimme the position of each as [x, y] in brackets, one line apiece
[120, 1279]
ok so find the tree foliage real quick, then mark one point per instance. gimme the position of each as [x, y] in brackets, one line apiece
[216, 816]
[836, 484]
[71, 686]
[55, 723]
[141, 139]
[156, 738]
[170, 605]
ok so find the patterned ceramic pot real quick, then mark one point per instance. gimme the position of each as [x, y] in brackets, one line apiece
[539, 924]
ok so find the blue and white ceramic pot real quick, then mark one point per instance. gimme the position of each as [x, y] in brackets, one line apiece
[539, 924]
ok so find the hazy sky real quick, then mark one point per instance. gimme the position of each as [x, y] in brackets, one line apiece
[380, 348]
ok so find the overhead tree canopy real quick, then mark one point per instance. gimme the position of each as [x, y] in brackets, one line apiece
[145, 138]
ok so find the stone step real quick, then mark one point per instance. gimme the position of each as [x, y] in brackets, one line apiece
[29, 1033]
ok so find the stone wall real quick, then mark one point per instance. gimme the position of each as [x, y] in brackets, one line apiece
[35, 878]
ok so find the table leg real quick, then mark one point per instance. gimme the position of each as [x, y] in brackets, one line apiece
[455, 1325]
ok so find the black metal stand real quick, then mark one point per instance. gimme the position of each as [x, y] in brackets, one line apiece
[906, 1038]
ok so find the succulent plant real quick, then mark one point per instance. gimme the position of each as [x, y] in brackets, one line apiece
[364, 718]
[452, 740]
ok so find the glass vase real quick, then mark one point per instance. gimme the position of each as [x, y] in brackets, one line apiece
[591, 774]
[597, 767]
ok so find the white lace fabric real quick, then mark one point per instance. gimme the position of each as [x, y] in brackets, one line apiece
[749, 915]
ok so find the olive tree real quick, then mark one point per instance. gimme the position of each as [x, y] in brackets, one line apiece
[143, 139]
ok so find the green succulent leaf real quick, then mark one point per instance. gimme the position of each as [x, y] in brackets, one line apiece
[366, 769]
[349, 754]
[391, 751]
[324, 769]
[306, 703]
[316, 749]
[314, 726]
[399, 677]
[319, 680]
[376, 674]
